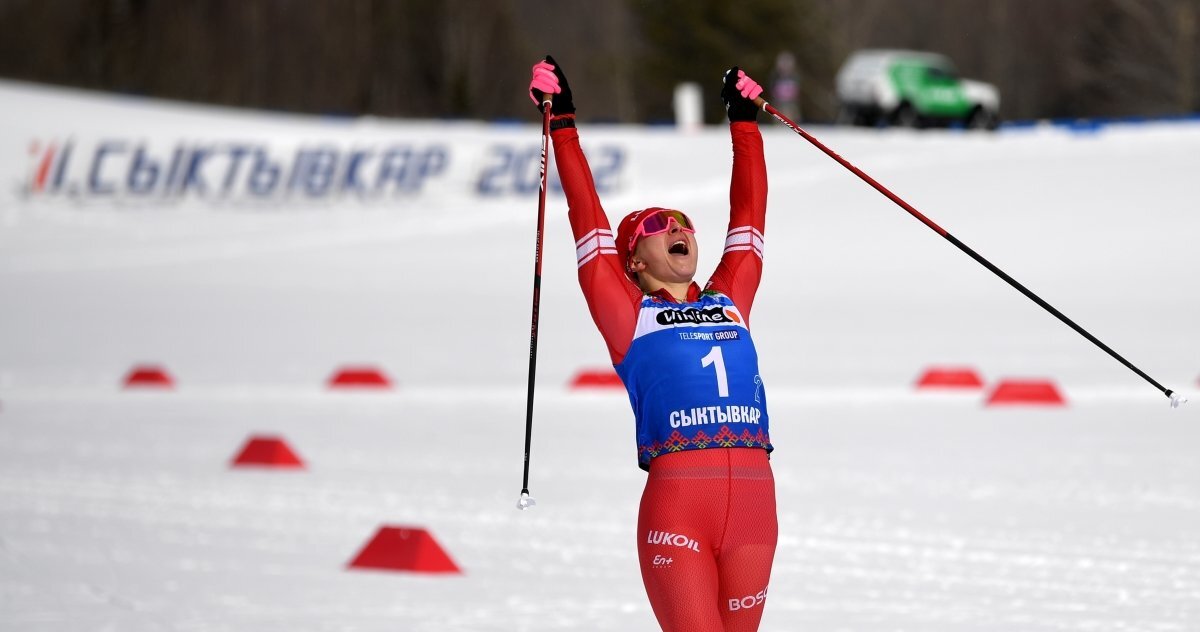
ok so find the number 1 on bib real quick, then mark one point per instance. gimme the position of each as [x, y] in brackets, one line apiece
[715, 357]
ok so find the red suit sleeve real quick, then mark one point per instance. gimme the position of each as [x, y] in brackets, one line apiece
[740, 270]
[612, 298]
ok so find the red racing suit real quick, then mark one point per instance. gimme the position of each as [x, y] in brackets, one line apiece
[707, 526]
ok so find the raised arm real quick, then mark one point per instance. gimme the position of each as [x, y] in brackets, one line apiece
[740, 270]
[612, 298]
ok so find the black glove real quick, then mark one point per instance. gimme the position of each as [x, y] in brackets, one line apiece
[738, 107]
[562, 102]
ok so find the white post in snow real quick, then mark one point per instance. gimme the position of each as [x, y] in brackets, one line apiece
[689, 107]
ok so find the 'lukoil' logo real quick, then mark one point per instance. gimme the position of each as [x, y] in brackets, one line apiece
[673, 539]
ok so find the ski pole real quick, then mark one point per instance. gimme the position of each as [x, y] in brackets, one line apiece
[526, 501]
[1175, 398]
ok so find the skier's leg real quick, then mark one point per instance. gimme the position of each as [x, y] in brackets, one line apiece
[678, 518]
[748, 547]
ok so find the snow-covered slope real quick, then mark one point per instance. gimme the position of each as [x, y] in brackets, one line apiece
[899, 509]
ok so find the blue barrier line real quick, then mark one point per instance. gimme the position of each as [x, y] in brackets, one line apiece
[1095, 124]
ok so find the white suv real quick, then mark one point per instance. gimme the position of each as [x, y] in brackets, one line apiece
[912, 89]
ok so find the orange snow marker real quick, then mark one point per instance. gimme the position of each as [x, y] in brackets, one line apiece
[1027, 393]
[410, 549]
[267, 451]
[359, 377]
[950, 377]
[597, 379]
[149, 376]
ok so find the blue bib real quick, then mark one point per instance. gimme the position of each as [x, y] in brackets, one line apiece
[692, 377]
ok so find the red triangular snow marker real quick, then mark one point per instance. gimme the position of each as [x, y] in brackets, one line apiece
[404, 549]
[264, 451]
[149, 376]
[1026, 392]
[597, 378]
[359, 377]
[950, 377]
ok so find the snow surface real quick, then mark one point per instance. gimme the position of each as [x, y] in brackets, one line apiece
[899, 510]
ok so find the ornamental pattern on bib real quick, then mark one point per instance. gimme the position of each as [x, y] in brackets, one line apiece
[725, 438]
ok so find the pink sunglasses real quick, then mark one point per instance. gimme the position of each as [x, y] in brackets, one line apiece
[660, 222]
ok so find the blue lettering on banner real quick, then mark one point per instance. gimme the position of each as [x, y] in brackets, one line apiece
[95, 186]
[63, 160]
[236, 153]
[350, 178]
[487, 183]
[528, 178]
[607, 167]
[318, 174]
[512, 170]
[173, 171]
[394, 169]
[143, 173]
[250, 170]
[264, 175]
[230, 170]
[193, 178]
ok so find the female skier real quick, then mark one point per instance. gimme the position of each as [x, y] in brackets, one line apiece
[706, 527]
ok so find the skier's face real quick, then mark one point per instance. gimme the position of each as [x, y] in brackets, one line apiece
[669, 256]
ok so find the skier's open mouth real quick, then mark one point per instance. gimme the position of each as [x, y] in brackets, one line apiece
[678, 248]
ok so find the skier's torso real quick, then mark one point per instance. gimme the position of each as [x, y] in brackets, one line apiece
[671, 368]
[692, 376]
